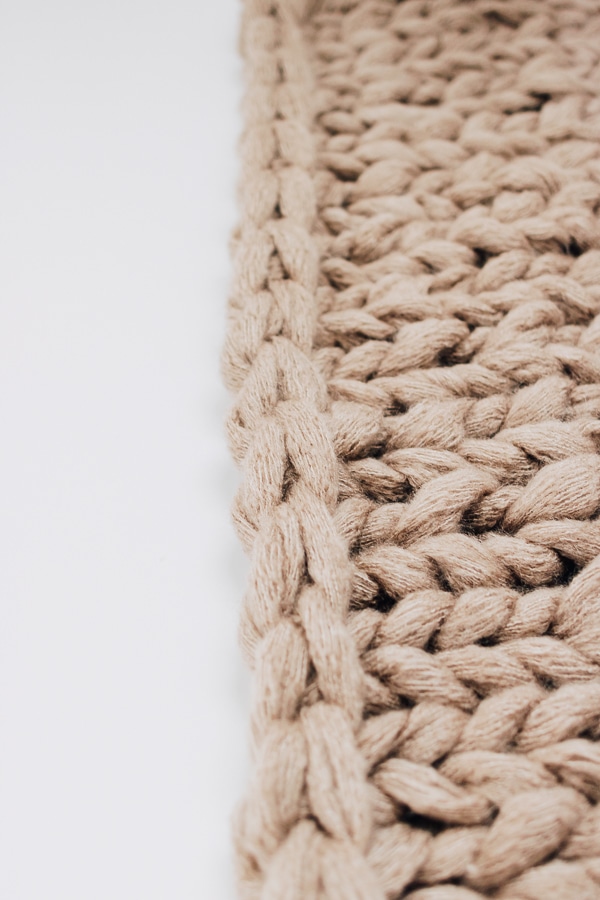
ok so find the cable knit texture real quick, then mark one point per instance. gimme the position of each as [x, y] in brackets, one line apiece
[414, 346]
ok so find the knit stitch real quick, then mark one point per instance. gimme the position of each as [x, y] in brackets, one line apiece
[414, 345]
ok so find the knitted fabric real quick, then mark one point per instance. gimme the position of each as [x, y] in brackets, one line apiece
[414, 343]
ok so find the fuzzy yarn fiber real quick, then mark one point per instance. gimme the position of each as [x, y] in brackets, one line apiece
[414, 347]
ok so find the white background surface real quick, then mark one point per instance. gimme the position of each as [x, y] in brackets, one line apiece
[122, 696]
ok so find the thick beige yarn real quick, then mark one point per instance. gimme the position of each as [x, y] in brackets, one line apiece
[415, 349]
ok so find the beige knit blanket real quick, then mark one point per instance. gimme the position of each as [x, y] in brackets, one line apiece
[414, 344]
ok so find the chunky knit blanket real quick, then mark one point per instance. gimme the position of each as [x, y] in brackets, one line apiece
[414, 343]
